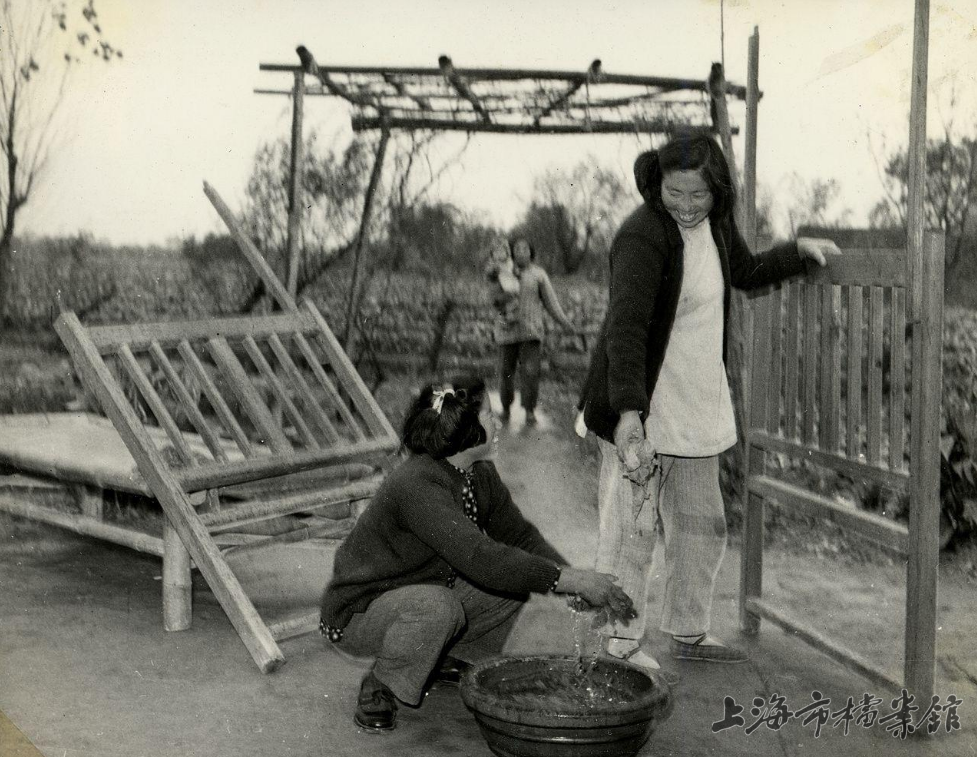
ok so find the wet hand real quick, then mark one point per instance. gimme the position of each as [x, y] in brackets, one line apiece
[817, 249]
[629, 436]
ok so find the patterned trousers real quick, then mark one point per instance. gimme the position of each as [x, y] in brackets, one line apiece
[684, 494]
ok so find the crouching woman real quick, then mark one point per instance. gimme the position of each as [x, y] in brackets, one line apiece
[432, 576]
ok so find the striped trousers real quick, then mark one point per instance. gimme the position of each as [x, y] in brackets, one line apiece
[684, 497]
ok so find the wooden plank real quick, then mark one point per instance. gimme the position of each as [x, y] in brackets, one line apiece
[188, 403]
[324, 528]
[897, 381]
[215, 398]
[831, 368]
[865, 267]
[84, 525]
[819, 641]
[924, 460]
[141, 335]
[810, 364]
[326, 383]
[100, 381]
[272, 285]
[792, 338]
[750, 139]
[776, 361]
[209, 476]
[156, 404]
[751, 558]
[854, 468]
[624, 126]
[244, 390]
[364, 401]
[250, 512]
[879, 530]
[298, 380]
[874, 406]
[853, 419]
[251, 347]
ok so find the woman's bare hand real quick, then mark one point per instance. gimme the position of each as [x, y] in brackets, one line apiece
[598, 590]
[817, 249]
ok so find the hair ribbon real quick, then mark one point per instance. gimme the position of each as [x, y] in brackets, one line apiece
[438, 395]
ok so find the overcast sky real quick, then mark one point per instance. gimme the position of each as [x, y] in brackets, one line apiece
[143, 133]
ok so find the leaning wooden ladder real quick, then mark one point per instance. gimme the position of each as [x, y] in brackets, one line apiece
[807, 387]
[269, 396]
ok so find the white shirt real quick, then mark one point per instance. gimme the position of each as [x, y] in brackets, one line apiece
[690, 413]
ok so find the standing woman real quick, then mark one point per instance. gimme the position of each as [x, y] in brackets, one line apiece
[657, 395]
[521, 336]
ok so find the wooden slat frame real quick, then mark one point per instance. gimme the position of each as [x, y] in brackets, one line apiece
[245, 391]
[809, 402]
[328, 386]
[853, 420]
[216, 399]
[138, 377]
[311, 404]
[188, 404]
[174, 501]
[793, 336]
[775, 307]
[920, 542]
[261, 363]
[874, 408]
[897, 381]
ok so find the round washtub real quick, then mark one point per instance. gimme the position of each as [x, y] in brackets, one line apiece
[546, 706]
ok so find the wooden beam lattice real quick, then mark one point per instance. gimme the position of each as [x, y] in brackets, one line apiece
[509, 101]
[461, 85]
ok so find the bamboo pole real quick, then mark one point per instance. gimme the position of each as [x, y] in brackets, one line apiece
[177, 584]
[295, 184]
[371, 189]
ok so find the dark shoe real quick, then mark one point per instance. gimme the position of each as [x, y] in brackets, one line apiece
[376, 708]
[707, 649]
[531, 419]
[451, 671]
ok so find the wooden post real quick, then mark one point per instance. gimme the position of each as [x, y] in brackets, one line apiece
[177, 595]
[295, 201]
[751, 552]
[916, 219]
[371, 188]
[924, 475]
[749, 148]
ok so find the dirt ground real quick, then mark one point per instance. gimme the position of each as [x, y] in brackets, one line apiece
[85, 668]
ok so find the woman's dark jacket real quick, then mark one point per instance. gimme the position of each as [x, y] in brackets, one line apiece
[645, 282]
[415, 531]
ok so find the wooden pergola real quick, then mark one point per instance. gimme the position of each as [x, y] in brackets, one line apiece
[496, 101]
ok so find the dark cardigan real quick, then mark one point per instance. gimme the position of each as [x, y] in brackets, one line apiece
[646, 280]
[415, 531]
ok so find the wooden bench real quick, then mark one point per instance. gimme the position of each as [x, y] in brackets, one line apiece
[829, 374]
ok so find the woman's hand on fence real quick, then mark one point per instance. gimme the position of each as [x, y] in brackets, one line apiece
[817, 249]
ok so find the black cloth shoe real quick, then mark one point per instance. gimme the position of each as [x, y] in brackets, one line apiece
[451, 671]
[376, 707]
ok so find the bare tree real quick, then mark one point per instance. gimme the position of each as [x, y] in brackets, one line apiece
[815, 203]
[574, 214]
[950, 201]
[41, 41]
